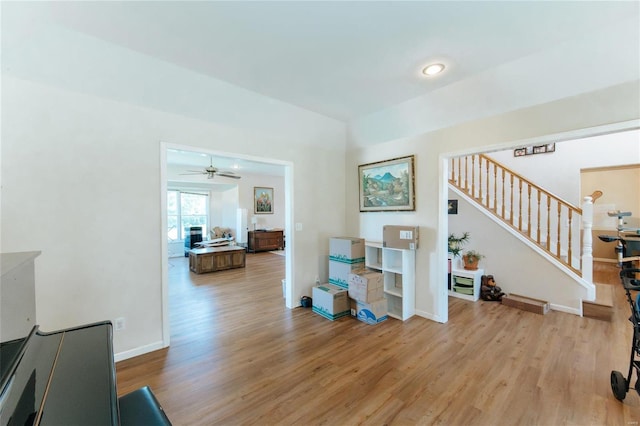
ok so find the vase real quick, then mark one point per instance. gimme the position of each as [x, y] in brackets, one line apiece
[470, 264]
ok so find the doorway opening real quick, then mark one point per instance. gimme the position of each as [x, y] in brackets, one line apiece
[251, 171]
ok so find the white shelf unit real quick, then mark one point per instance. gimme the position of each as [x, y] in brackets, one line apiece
[466, 277]
[398, 269]
[373, 255]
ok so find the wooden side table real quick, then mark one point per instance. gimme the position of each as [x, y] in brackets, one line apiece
[266, 240]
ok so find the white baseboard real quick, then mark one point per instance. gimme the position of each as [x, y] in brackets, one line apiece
[121, 356]
[565, 309]
[605, 260]
[429, 316]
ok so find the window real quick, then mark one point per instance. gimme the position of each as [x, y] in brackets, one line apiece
[184, 210]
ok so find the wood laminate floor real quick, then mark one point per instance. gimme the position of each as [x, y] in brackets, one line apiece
[239, 357]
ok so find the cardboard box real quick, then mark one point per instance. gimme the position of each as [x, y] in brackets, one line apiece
[330, 301]
[346, 249]
[372, 313]
[339, 272]
[366, 286]
[526, 303]
[400, 237]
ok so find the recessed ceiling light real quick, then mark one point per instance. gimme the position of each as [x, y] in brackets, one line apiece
[433, 69]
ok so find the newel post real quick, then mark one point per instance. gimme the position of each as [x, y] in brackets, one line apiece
[587, 239]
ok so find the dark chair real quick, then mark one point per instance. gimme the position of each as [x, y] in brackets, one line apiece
[141, 408]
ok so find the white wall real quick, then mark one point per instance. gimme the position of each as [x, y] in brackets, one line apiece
[93, 206]
[620, 189]
[37, 47]
[507, 87]
[612, 105]
[227, 197]
[275, 220]
[572, 156]
[516, 267]
[81, 167]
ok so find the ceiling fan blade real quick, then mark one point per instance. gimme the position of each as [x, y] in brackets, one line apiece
[193, 172]
[228, 174]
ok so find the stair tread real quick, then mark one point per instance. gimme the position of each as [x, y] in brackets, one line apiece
[602, 307]
[604, 295]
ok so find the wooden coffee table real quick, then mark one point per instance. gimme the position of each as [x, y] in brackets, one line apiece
[214, 259]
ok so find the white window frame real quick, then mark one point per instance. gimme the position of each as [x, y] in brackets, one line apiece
[180, 230]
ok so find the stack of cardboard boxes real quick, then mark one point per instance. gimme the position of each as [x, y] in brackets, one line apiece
[346, 255]
[352, 289]
[366, 290]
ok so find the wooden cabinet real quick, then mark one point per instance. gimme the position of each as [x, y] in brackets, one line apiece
[265, 240]
[216, 259]
[398, 269]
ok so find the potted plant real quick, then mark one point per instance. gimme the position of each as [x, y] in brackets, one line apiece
[456, 243]
[471, 259]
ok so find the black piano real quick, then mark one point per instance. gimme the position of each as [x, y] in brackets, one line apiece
[68, 378]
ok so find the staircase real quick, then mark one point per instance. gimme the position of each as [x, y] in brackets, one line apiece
[602, 307]
[555, 227]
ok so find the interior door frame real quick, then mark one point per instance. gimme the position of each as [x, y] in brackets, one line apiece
[288, 218]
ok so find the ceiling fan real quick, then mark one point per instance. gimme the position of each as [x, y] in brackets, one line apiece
[211, 172]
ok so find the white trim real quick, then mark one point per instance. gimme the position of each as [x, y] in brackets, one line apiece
[566, 309]
[291, 241]
[288, 189]
[605, 260]
[141, 350]
[429, 316]
[164, 248]
[442, 252]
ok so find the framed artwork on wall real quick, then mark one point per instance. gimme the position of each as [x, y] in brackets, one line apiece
[530, 150]
[262, 200]
[387, 185]
[453, 207]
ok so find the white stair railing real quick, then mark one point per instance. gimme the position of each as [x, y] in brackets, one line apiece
[554, 225]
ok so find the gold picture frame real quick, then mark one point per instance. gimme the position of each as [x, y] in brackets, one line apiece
[262, 200]
[387, 185]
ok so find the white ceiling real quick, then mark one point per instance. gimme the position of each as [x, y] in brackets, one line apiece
[184, 161]
[340, 59]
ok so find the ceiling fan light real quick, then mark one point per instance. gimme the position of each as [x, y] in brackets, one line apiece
[433, 69]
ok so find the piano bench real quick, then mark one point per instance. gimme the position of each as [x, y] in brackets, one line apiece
[141, 408]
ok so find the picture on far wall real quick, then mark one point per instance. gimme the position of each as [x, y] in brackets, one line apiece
[387, 185]
[453, 207]
[263, 200]
[530, 150]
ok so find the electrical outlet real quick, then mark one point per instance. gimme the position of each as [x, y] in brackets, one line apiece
[119, 324]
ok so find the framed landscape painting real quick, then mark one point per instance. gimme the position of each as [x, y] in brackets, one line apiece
[263, 200]
[387, 185]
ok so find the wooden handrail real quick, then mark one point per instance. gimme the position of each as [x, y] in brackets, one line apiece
[539, 188]
[480, 190]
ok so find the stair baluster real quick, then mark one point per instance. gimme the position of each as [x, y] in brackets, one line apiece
[503, 201]
[538, 228]
[468, 178]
